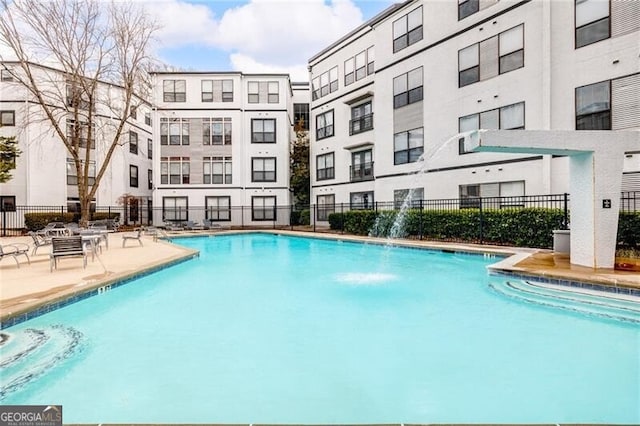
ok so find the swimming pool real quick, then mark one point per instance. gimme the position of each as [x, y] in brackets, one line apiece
[274, 329]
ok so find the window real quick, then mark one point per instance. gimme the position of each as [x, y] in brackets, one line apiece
[216, 170]
[7, 203]
[263, 130]
[174, 90]
[593, 106]
[325, 84]
[301, 116]
[361, 200]
[216, 131]
[175, 209]
[324, 125]
[77, 95]
[73, 205]
[133, 112]
[174, 131]
[412, 196]
[174, 170]
[133, 142]
[325, 166]
[147, 118]
[592, 21]
[361, 165]
[134, 209]
[150, 179]
[150, 149]
[326, 206]
[217, 90]
[361, 119]
[7, 118]
[263, 92]
[358, 67]
[407, 30]
[5, 75]
[510, 117]
[72, 176]
[217, 209]
[263, 169]
[467, 8]
[408, 146]
[491, 57]
[133, 176]
[407, 88]
[470, 194]
[263, 208]
[78, 134]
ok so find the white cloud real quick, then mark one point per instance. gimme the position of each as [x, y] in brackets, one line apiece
[262, 34]
[247, 64]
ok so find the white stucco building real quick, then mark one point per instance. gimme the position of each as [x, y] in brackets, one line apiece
[410, 79]
[44, 174]
[223, 141]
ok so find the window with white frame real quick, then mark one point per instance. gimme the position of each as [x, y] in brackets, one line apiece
[371, 61]
[470, 194]
[72, 176]
[263, 92]
[263, 130]
[80, 134]
[263, 169]
[7, 118]
[174, 131]
[407, 88]
[509, 117]
[216, 131]
[218, 209]
[133, 176]
[326, 206]
[147, 118]
[216, 170]
[150, 149]
[408, 146]
[175, 209]
[593, 22]
[326, 83]
[175, 170]
[361, 118]
[496, 55]
[263, 208]
[324, 125]
[133, 142]
[174, 90]
[361, 200]
[359, 66]
[301, 115]
[325, 168]
[217, 90]
[467, 8]
[149, 179]
[407, 30]
[78, 95]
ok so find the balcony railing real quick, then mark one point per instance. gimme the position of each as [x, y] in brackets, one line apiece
[361, 124]
[360, 172]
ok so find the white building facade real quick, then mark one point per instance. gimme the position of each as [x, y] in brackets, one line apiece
[223, 143]
[44, 173]
[409, 80]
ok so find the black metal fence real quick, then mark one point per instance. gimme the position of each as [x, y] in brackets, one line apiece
[312, 218]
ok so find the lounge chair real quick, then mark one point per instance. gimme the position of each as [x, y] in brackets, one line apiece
[39, 240]
[137, 236]
[67, 247]
[174, 226]
[191, 225]
[15, 250]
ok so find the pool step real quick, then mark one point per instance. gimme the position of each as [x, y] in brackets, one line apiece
[605, 305]
[29, 354]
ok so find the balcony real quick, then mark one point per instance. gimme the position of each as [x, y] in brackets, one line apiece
[362, 124]
[361, 172]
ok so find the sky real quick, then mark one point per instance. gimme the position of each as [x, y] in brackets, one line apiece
[253, 35]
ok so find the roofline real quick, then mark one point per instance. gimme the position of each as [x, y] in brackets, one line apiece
[238, 73]
[370, 23]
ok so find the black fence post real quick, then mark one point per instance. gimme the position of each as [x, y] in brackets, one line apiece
[481, 221]
[565, 218]
[4, 223]
[420, 214]
[315, 216]
[342, 218]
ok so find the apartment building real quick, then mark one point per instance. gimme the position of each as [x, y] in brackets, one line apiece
[44, 173]
[223, 141]
[390, 98]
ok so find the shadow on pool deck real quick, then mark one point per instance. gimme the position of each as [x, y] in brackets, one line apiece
[33, 286]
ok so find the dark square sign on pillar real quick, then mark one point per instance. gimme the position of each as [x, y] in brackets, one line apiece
[606, 203]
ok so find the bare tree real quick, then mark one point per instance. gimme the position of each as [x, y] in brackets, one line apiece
[84, 64]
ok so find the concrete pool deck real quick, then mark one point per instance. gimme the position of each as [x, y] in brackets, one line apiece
[32, 286]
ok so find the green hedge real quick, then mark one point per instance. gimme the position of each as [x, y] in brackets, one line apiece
[300, 217]
[523, 227]
[629, 230]
[36, 221]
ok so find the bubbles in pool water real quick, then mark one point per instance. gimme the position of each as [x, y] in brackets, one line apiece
[364, 277]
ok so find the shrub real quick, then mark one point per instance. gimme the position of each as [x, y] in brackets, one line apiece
[299, 217]
[629, 230]
[36, 221]
[335, 221]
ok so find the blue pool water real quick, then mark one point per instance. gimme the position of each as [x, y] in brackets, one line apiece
[276, 329]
